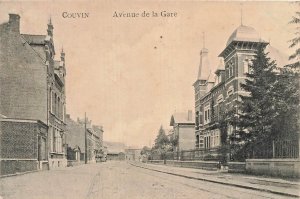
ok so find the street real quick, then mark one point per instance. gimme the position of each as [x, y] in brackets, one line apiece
[114, 180]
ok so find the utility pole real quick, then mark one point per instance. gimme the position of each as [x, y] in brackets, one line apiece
[85, 140]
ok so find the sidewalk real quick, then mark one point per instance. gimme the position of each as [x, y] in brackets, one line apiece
[273, 185]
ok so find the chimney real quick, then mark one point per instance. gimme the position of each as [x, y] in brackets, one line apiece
[14, 22]
[190, 115]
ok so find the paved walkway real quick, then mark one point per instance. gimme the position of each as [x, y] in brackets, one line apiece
[285, 187]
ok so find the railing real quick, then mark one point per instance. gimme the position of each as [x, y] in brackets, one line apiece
[286, 149]
[266, 150]
[188, 155]
[275, 149]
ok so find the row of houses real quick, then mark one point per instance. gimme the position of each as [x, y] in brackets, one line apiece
[35, 131]
[218, 91]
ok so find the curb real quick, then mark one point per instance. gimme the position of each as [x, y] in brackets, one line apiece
[219, 182]
[19, 174]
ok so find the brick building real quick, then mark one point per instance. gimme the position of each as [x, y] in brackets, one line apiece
[33, 83]
[23, 145]
[75, 140]
[217, 92]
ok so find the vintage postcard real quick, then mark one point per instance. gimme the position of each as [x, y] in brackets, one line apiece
[149, 99]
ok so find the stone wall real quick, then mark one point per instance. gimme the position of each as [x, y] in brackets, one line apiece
[207, 165]
[274, 167]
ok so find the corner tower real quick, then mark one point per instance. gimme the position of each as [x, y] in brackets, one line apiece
[238, 53]
[200, 91]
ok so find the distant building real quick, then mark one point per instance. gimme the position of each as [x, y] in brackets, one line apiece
[183, 131]
[116, 156]
[114, 147]
[133, 154]
[33, 83]
[75, 139]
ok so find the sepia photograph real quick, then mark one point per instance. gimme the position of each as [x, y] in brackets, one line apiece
[158, 99]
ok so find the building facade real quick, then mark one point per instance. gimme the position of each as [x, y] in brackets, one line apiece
[133, 154]
[75, 140]
[217, 93]
[23, 146]
[33, 83]
[183, 131]
[77, 132]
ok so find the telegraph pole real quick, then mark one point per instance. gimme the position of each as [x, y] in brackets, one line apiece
[85, 140]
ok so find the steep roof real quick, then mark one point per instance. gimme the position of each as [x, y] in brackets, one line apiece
[35, 39]
[211, 77]
[204, 65]
[281, 58]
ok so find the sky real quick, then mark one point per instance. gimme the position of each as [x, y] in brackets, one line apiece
[131, 74]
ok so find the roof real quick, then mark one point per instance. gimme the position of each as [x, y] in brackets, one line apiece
[2, 116]
[281, 58]
[181, 118]
[35, 39]
[204, 64]
[244, 33]
[211, 77]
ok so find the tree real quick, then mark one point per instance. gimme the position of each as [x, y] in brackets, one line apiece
[287, 94]
[145, 151]
[174, 141]
[295, 43]
[288, 91]
[162, 143]
[258, 109]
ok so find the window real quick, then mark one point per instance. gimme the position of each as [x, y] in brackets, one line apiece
[58, 107]
[51, 100]
[63, 112]
[227, 73]
[208, 118]
[197, 119]
[220, 98]
[55, 103]
[246, 66]
[230, 91]
[53, 139]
